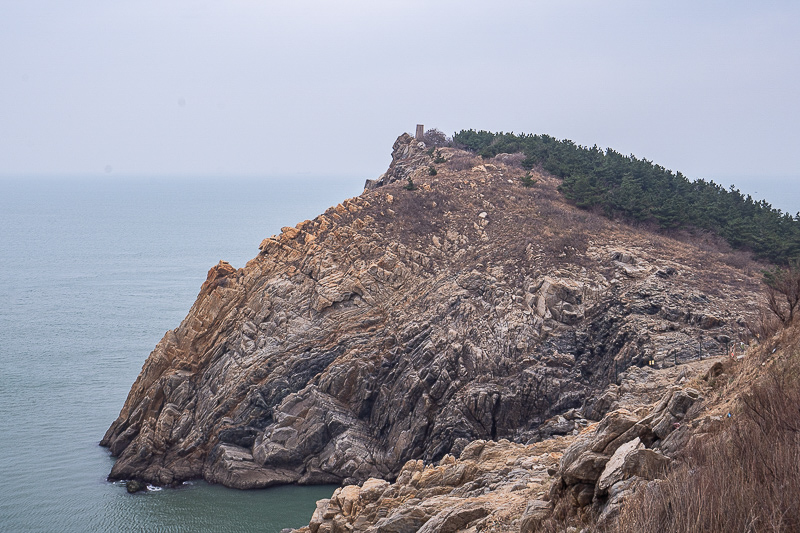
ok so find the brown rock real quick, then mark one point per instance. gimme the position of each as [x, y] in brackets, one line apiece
[536, 512]
[352, 344]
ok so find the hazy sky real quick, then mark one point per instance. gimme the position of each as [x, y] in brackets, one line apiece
[245, 87]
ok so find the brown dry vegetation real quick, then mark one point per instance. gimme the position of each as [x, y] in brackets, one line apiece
[745, 477]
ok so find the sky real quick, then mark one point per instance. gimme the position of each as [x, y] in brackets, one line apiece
[263, 88]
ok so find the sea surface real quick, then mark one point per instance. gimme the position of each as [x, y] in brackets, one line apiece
[781, 192]
[95, 271]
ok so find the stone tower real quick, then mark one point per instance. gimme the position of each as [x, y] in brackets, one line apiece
[420, 132]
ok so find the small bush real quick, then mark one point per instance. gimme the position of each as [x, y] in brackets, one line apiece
[410, 185]
[432, 171]
[527, 180]
[435, 138]
[510, 160]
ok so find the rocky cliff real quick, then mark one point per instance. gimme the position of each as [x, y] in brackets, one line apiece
[406, 324]
[503, 486]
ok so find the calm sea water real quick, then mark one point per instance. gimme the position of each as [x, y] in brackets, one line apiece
[94, 272]
[781, 192]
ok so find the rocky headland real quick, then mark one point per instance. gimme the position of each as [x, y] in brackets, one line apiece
[470, 345]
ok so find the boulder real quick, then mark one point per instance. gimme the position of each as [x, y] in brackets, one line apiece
[452, 520]
[133, 486]
[535, 513]
[408, 520]
[586, 468]
[614, 470]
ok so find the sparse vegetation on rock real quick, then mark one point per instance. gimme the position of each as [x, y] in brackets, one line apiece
[641, 191]
[473, 356]
[404, 326]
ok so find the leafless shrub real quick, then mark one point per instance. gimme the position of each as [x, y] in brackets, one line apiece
[744, 478]
[567, 247]
[783, 291]
[422, 213]
[434, 137]
[565, 520]
[765, 325]
[738, 259]
[461, 162]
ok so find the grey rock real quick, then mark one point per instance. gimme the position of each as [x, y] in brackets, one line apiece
[586, 468]
[354, 343]
[452, 520]
[615, 468]
[408, 521]
[535, 513]
[133, 486]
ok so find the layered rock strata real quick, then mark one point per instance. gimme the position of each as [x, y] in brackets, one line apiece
[503, 486]
[406, 324]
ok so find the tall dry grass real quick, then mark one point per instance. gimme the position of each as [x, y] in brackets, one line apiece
[746, 477]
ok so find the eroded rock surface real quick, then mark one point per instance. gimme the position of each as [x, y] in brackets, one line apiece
[607, 463]
[488, 487]
[404, 325]
[507, 487]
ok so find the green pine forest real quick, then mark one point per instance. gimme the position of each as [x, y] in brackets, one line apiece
[638, 190]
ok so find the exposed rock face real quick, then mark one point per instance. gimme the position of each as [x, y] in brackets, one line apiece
[409, 160]
[503, 486]
[488, 486]
[403, 325]
[607, 464]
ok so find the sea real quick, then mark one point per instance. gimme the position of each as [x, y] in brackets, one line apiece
[96, 270]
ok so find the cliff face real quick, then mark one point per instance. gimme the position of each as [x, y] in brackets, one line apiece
[405, 324]
[503, 486]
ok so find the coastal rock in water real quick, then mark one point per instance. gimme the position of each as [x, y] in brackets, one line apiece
[133, 486]
[401, 325]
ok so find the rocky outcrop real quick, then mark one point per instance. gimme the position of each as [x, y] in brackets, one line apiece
[623, 452]
[489, 485]
[503, 486]
[410, 159]
[404, 325]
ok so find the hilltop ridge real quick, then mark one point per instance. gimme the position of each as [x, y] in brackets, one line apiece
[405, 324]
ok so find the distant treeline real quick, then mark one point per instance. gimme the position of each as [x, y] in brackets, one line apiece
[639, 190]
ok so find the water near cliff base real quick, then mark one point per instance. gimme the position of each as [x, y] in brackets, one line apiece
[95, 272]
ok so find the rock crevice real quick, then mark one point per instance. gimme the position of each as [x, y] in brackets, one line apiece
[389, 329]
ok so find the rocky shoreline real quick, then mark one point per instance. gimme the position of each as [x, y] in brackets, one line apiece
[406, 325]
[503, 486]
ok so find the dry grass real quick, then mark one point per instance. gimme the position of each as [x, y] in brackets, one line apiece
[745, 477]
[463, 161]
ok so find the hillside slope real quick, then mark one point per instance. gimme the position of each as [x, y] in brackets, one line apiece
[405, 324]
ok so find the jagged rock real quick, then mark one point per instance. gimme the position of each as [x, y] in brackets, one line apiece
[535, 513]
[354, 343]
[133, 486]
[606, 463]
[407, 521]
[492, 481]
[589, 453]
[585, 468]
[615, 468]
[631, 459]
[452, 520]
[507, 486]
[598, 408]
[671, 411]
[617, 494]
